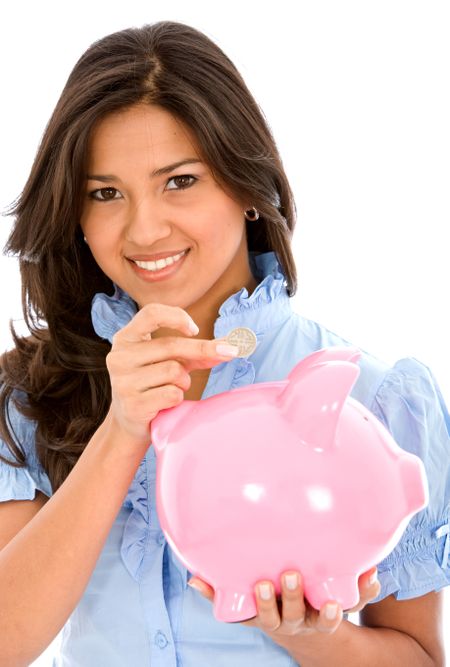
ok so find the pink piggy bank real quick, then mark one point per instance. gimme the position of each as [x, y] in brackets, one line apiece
[292, 474]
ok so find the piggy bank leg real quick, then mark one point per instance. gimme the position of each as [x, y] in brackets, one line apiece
[233, 606]
[342, 588]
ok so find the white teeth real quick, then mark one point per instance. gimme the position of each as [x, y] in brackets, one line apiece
[160, 263]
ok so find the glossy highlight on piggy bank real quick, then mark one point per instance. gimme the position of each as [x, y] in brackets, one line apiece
[286, 475]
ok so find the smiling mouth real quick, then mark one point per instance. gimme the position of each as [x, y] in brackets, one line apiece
[159, 264]
[158, 269]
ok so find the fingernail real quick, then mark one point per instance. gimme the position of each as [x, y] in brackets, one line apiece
[291, 581]
[227, 350]
[193, 328]
[331, 611]
[373, 578]
[265, 591]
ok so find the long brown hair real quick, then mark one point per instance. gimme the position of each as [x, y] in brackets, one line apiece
[61, 365]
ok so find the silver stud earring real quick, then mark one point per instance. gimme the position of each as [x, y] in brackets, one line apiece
[253, 216]
[85, 239]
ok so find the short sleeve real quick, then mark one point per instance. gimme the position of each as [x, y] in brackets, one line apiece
[410, 404]
[21, 483]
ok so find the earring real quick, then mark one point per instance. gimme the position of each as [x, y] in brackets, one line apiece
[253, 216]
[85, 239]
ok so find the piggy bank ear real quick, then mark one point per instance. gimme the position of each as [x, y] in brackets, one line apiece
[166, 421]
[336, 353]
[314, 397]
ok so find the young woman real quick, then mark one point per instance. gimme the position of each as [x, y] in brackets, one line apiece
[156, 218]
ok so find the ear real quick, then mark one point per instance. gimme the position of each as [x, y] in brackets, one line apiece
[314, 397]
[165, 422]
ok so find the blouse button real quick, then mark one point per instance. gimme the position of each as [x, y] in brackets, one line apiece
[161, 639]
[161, 539]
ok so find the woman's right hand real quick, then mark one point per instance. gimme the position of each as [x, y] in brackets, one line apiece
[148, 375]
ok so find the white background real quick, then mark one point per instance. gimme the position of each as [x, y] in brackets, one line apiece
[357, 96]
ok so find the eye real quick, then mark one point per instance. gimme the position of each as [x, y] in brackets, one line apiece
[182, 176]
[107, 194]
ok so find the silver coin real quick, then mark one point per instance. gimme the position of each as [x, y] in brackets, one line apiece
[244, 338]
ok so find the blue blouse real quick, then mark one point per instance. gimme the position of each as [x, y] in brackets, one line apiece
[137, 608]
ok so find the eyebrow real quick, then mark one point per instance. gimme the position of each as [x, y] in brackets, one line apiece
[158, 172]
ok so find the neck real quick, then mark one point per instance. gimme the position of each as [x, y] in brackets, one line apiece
[205, 313]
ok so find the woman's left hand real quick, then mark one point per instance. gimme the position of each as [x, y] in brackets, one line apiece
[293, 615]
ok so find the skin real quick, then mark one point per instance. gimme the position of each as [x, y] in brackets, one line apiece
[147, 215]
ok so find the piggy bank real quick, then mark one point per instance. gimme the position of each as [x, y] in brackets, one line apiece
[292, 474]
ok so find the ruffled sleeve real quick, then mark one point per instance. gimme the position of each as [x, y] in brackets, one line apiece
[21, 483]
[135, 534]
[411, 406]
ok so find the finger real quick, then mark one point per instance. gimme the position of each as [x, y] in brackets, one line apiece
[202, 587]
[293, 601]
[369, 588]
[153, 316]
[369, 583]
[193, 354]
[298, 616]
[208, 355]
[329, 617]
[135, 381]
[268, 615]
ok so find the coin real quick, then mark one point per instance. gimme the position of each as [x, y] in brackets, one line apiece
[244, 338]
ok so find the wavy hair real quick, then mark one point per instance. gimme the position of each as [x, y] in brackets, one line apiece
[61, 365]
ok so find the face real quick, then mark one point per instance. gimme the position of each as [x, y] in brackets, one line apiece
[132, 213]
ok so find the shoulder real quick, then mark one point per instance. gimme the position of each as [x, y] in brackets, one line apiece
[309, 336]
[20, 427]
[21, 482]
[381, 386]
[409, 401]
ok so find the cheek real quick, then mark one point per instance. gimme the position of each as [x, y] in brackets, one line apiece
[104, 247]
[102, 230]
[96, 218]
[89, 224]
[218, 224]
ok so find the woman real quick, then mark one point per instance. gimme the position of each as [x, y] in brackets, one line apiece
[156, 218]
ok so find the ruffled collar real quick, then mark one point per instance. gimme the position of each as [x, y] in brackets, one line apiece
[267, 306]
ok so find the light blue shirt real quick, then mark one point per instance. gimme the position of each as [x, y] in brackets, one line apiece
[137, 608]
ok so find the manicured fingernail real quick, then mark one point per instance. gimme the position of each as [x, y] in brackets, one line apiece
[291, 581]
[331, 611]
[193, 328]
[265, 592]
[227, 350]
[373, 578]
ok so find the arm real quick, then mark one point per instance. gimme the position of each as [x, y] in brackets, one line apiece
[394, 632]
[45, 568]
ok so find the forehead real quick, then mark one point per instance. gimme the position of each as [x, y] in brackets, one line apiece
[144, 128]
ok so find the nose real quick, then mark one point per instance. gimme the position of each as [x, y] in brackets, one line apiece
[146, 223]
